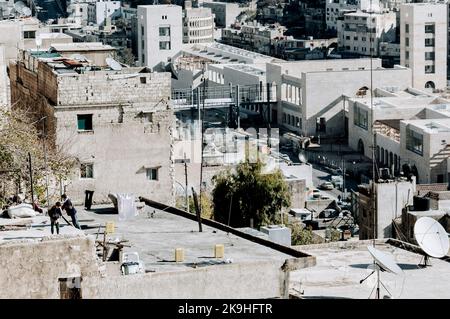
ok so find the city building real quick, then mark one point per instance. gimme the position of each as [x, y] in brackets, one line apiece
[411, 128]
[423, 43]
[198, 24]
[311, 94]
[363, 32]
[114, 120]
[160, 33]
[225, 13]
[335, 10]
[99, 10]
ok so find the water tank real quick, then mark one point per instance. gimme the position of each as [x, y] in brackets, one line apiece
[421, 203]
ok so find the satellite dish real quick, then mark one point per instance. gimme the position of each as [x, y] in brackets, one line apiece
[78, 57]
[113, 64]
[431, 237]
[26, 11]
[384, 261]
[302, 158]
[22, 9]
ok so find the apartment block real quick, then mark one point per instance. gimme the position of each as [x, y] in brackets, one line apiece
[423, 43]
[116, 122]
[160, 33]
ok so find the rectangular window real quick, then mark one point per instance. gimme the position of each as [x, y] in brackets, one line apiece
[429, 42]
[407, 42]
[87, 170]
[143, 80]
[429, 28]
[84, 122]
[429, 69]
[360, 117]
[164, 31]
[406, 28]
[29, 34]
[407, 55]
[152, 174]
[414, 141]
[429, 56]
[142, 30]
[164, 45]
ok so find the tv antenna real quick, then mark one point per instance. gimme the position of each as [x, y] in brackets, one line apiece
[113, 64]
[432, 238]
[382, 262]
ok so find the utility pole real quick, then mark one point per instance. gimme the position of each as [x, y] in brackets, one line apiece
[31, 177]
[45, 159]
[186, 184]
[201, 127]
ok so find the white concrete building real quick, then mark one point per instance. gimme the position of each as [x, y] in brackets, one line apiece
[310, 94]
[78, 11]
[423, 43]
[160, 33]
[198, 25]
[102, 9]
[362, 32]
[411, 127]
[335, 10]
[225, 13]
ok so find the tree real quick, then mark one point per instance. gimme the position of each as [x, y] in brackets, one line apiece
[248, 195]
[300, 235]
[19, 136]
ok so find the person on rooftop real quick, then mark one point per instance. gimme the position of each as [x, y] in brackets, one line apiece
[70, 210]
[55, 212]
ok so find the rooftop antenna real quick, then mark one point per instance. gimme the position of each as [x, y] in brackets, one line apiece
[374, 203]
[381, 262]
[432, 238]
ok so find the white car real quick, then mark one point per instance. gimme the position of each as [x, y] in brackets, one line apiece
[326, 185]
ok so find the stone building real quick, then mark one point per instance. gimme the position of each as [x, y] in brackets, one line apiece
[116, 123]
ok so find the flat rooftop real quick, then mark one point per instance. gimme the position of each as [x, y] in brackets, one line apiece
[33, 229]
[155, 234]
[341, 266]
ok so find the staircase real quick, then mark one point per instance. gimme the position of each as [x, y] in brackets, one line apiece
[442, 155]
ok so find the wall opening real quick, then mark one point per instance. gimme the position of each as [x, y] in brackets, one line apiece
[70, 288]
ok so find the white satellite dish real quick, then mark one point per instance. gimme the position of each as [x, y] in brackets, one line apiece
[431, 237]
[302, 158]
[113, 64]
[384, 261]
[79, 57]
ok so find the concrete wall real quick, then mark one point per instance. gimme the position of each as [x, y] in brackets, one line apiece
[391, 199]
[32, 269]
[297, 189]
[224, 281]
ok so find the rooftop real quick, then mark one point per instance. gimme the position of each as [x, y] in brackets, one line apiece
[81, 46]
[155, 234]
[340, 267]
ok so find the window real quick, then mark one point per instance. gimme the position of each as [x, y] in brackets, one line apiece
[84, 122]
[407, 41]
[164, 45]
[142, 30]
[29, 34]
[429, 28]
[347, 37]
[429, 69]
[143, 57]
[148, 117]
[406, 28]
[152, 174]
[87, 170]
[360, 117]
[429, 56]
[414, 141]
[407, 55]
[164, 31]
[429, 42]
[143, 80]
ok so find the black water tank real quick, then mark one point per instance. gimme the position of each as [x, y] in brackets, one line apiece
[421, 203]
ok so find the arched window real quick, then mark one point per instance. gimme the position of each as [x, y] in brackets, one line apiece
[430, 85]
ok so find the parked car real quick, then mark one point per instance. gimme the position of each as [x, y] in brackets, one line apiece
[325, 197]
[326, 186]
[328, 213]
[316, 193]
